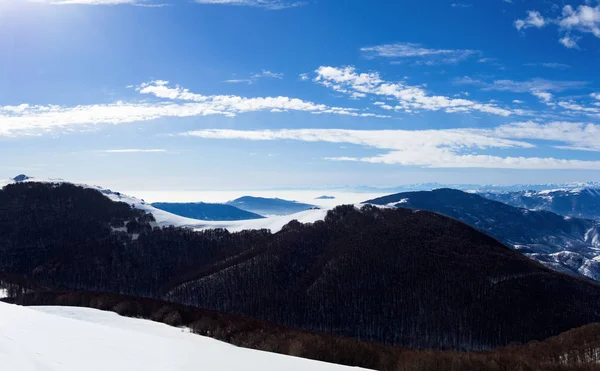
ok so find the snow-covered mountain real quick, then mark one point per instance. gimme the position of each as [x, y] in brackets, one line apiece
[76, 339]
[566, 244]
[576, 202]
[165, 218]
[269, 206]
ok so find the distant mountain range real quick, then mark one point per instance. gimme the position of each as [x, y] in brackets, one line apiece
[269, 206]
[463, 187]
[206, 211]
[575, 202]
[566, 244]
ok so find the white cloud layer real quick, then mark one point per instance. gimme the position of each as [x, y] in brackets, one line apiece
[407, 98]
[447, 148]
[35, 119]
[418, 52]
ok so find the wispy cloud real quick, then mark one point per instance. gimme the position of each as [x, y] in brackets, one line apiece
[418, 53]
[573, 20]
[141, 3]
[266, 4]
[134, 150]
[534, 85]
[447, 148]
[407, 98]
[239, 81]
[540, 88]
[173, 101]
[461, 5]
[555, 65]
[257, 76]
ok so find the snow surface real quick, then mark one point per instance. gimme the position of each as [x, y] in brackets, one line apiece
[76, 339]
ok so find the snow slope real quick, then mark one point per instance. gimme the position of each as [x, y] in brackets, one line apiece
[76, 339]
[164, 218]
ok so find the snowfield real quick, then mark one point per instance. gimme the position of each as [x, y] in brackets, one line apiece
[77, 339]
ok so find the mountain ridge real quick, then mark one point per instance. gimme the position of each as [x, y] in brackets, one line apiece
[563, 243]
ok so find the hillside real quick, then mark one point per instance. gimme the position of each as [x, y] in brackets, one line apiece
[389, 275]
[206, 211]
[566, 244]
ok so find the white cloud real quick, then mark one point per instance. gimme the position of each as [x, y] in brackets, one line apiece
[517, 101]
[408, 98]
[134, 150]
[448, 148]
[583, 19]
[544, 96]
[266, 4]
[33, 120]
[595, 95]
[418, 52]
[569, 42]
[534, 19]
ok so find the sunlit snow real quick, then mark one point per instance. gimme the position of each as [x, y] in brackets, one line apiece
[76, 339]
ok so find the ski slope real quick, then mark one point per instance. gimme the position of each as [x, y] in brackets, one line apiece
[76, 339]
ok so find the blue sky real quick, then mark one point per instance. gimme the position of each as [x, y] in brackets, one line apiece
[249, 94]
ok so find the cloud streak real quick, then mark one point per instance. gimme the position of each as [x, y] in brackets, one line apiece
[448, 148]
[418, 53]
[266, 4]
[134, 150]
